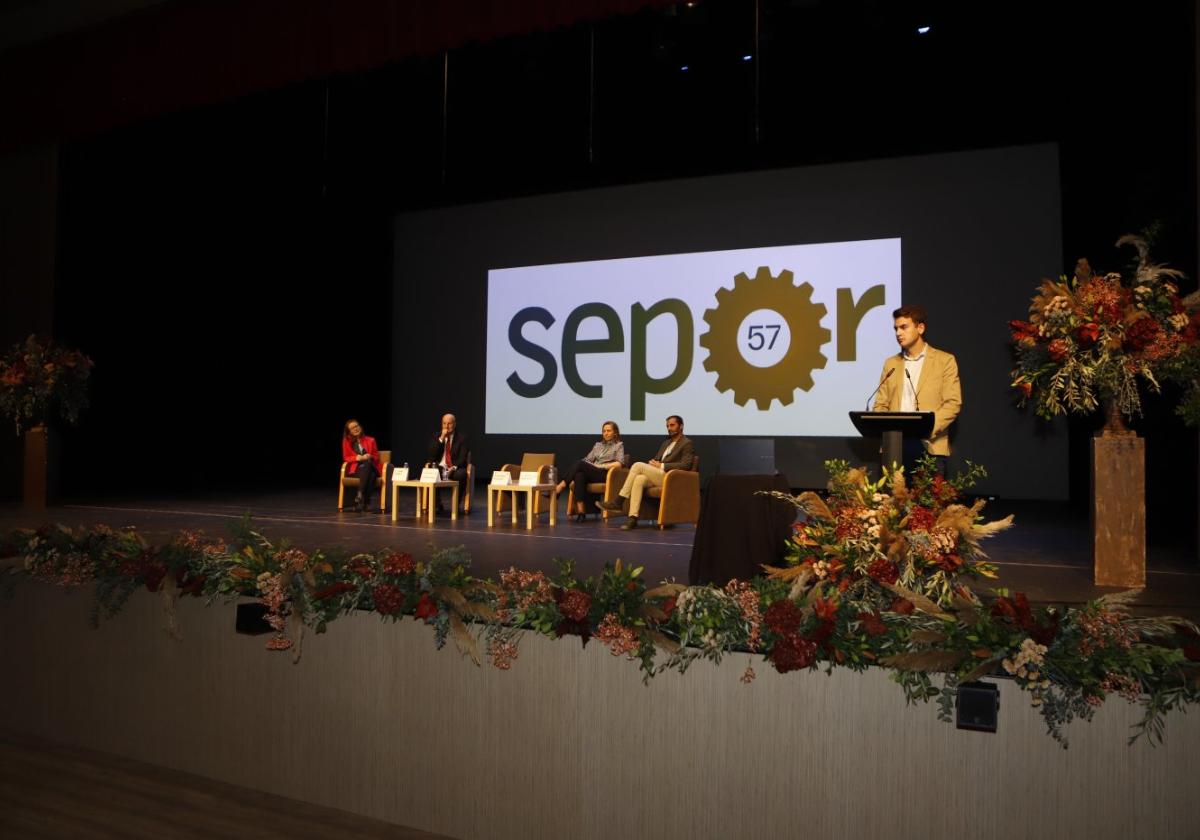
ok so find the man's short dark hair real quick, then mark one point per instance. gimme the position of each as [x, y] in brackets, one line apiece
[677, 418]
[916, 314]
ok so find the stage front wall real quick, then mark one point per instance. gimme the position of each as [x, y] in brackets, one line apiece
[570, 743]
[534, 320]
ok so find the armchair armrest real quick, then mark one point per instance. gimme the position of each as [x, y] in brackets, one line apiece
[614, 481]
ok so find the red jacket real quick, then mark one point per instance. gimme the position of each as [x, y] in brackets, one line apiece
[351, 457]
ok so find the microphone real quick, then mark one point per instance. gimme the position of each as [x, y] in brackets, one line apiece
[916, 402]
[880, 385]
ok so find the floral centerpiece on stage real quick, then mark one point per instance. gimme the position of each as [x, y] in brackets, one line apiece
[1066, 661]
[886, 532]
[1091, 338]
[40, 378]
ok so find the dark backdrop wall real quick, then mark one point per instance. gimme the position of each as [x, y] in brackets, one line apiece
[218, 262]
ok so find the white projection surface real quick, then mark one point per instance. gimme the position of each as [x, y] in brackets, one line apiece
[769, 354]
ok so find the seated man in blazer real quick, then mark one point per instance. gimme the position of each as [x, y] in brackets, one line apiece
[451, 452]
[921, 378]
[675, 453]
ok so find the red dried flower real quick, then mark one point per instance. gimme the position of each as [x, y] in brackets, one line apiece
[826, 609]
[791, 653]
[621, 640]
[902, 606]
[426, 608]
[668, 606]
[388, 598]
[363, 570]
[1086, 334]
[783, 617]
[920, 518]
[943, 490]
[574, 604]
[1141, 334]
[872, 623]
[1059, 349]
[1026, 389]
[883, 570]
[1023, 332]
[399, 564]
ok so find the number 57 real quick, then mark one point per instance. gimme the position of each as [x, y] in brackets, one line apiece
[757, 334]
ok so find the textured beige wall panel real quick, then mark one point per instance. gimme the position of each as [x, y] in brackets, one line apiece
[569, 743]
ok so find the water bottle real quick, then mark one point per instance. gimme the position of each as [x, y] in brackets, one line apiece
[405, 468]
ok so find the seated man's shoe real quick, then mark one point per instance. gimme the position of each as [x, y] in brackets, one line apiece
[630, 525]
[610, 506]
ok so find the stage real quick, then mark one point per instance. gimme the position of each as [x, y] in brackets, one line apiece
[1046, 554]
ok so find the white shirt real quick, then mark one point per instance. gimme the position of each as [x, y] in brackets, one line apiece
[912, 381]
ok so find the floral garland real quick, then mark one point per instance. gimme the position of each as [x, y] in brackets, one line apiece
[36, 377]
[1093, 337]
[1067, 660]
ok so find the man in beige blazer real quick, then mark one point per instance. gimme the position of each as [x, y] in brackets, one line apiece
[921, 378]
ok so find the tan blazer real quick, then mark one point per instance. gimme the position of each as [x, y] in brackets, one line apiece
[938, 390]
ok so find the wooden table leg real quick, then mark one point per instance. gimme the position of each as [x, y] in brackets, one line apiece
[395, 498]
[454, 501]
[431, 498]
[529, 497]
[554, 507]
[512, 503]
[491, 505]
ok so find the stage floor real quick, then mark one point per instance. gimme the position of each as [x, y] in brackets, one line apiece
[1047, 554]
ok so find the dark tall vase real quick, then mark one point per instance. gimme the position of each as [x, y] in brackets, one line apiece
[41, 468]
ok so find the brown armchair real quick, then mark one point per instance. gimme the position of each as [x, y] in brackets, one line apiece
[541, 462]
[679, 497]
[344, 481]
[607, 489]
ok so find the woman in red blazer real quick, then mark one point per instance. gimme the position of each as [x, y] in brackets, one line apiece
[362, 461]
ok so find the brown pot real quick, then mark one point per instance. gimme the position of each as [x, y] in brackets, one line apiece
[1114, 420]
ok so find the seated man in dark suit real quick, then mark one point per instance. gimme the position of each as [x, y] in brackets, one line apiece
[450, 451]
[675, 453]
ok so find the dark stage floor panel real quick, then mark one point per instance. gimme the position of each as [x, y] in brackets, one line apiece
[1047, 554]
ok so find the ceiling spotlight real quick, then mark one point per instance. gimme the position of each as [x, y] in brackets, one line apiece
[683, 69]
[922, 30]
[747, 57]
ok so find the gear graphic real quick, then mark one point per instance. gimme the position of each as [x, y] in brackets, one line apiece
[794, 370]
